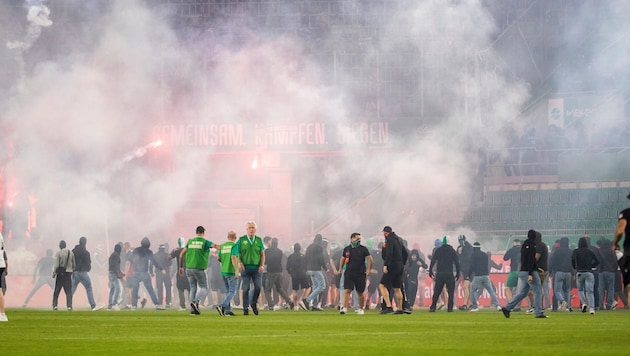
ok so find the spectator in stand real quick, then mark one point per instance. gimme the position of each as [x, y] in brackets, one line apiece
[296, 267]
[562, 269]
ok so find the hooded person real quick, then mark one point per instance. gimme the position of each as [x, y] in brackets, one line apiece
[181, 281]
[465, 264]
[115, 276]
[443, 262]
[480, 268]
[529, 278]
[163, 284]
[140, 259]
[584, 260]
[560, 265]
[395, 255]
[81, 271]
[296, 267]
[316, 265]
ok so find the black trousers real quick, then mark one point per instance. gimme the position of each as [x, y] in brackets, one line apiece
[63, 280]
[441, 280]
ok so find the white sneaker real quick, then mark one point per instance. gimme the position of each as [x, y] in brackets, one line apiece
[474, 309]
[343, 311]
[3, 317]
[115, 308]
[97, 308]
[276, 307]
[360, 311]
[498, 307]
[592, 311]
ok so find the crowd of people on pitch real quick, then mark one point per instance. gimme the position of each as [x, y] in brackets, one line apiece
[347, 276]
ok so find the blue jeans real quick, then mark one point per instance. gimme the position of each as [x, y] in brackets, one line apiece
[562, 287]
[83, 278]
[231, 285]
[475, 289]
[606, 284]
[248, 276]
[585, 282]
[145, 278]
[114, 290]
[198, 284]
[318, 280]
[526, 286]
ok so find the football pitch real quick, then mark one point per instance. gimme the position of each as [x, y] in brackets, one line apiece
[286, 332]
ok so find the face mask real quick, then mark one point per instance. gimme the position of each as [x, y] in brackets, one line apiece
[355, 243]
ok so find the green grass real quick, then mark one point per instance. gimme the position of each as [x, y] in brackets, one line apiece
[487, 332]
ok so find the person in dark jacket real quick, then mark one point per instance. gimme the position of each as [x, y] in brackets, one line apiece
[514, 256]
[181, 282]
[607, 275]
[275, 278]
[444, 259]
[315, 268]
[623, 229]
[584, 260]
[464, 263]
[163, 281]
[296, 267]
[529, 278]
[412, 271]
[562, 269]
[81, 272]
[392, 271]
[41, 276]
[115, 277]
[480, 277]
[140, 258]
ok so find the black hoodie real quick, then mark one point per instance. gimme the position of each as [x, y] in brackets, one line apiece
[560, 260]
[528, 253]
[82, 256]
[141, 256]
[583, 258]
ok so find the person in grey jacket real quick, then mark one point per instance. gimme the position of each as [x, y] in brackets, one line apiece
[64, 258]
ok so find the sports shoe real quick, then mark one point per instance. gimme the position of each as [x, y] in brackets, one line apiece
[194, 307]
[498, 307]
[255, 309]
[343, 311]
[291, 305]
[303, 304]
[245, 311]
[407, 310]
[399, 312]
[3, 317]
[614, 305]
[387, 310]
[316, 308]
[473, 309]
[143, 302]
[440, 306]
[115, 308]
[432, 310]
[463, 307]
[276, 308]
[69, 308]
[584, 308]
[194, 312]
[530, 311]
[541, 316]
[563, 306]
[55, 308]
[592, 311]
[160, 307]
[360, 312]
[220, 310]
[506, 312]
[181, 309]
[229, 314]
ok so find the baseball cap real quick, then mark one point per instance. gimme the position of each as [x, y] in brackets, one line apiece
[387, 229]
